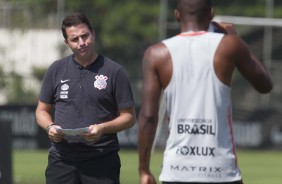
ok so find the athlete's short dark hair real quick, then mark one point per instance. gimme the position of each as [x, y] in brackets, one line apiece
[194, 9]
[177, 3]
[73, 20]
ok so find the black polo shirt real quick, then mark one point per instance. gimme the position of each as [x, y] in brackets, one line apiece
[85, 96]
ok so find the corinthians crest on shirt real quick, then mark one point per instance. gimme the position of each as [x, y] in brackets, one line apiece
[100, 82]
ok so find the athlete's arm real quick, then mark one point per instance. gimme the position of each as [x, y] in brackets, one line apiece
[44, 120]
[253, 70]
[148, 116]
[235, 53]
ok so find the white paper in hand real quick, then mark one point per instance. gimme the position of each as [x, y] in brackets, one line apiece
[73, 132]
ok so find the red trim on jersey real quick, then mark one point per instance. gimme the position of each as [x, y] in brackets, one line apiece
[192, 33]
[232, 136]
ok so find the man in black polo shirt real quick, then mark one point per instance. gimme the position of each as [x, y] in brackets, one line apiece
[92, 98]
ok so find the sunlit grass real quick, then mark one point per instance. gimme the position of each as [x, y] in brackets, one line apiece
[257, 166]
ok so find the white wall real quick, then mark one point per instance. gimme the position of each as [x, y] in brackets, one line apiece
[20, 50]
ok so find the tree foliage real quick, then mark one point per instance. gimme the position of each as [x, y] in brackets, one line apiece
[127, 30]
[124, 28]
[17, 93]
[2, 79]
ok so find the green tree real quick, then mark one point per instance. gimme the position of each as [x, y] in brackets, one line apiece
[124, 37]
[38, 73]
[124, 28]
[2, 79]
[17, 93]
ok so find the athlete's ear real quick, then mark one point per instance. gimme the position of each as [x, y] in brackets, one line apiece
[177, 15]
[66, 42]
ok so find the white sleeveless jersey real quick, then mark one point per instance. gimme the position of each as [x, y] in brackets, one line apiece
[200, 145]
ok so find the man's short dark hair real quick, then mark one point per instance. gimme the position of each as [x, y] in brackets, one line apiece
[73, 20]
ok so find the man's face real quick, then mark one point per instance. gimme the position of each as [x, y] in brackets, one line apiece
[81, 41]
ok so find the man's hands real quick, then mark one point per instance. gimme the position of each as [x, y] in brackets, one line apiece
[54, 135]
[94, 134]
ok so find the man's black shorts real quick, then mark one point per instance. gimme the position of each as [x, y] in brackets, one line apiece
[102, 170]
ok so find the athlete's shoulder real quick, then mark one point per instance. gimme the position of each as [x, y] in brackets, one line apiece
[233, 44]
[156, 51]
[157, 59]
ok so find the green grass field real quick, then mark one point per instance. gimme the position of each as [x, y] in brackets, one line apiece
[258, 167]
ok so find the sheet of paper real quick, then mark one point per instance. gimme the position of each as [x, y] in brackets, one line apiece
[73, 132]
